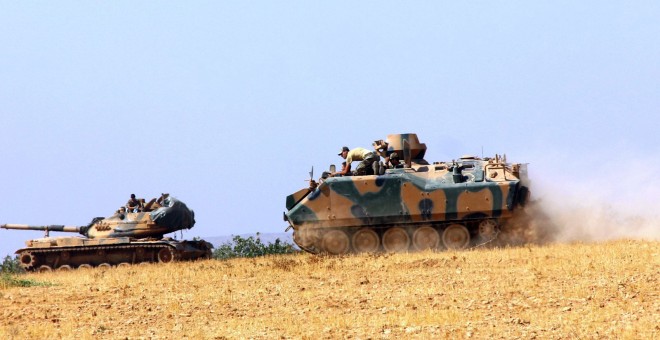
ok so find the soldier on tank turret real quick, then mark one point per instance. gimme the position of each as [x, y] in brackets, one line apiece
[366, 158]
[133, 204]
[120, 213]
[162, 198]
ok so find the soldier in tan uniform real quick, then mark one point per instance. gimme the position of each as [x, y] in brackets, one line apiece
[366, 158]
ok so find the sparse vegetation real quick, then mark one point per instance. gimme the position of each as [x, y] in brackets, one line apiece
[607, 291]
[251, 247]
[10, 265]
[7, 281]
[9, 270]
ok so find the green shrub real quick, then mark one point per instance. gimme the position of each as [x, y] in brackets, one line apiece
[11, 266]
[251, 247]
[7, 280]
[9, 269]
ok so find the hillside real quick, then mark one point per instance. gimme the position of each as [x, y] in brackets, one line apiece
[607, 290]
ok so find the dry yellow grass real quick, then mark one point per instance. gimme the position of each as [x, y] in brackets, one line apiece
[607, 290]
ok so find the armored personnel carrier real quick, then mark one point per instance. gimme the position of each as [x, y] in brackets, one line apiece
[416, 205]
[122, 239]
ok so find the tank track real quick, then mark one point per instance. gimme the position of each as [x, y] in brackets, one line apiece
[399, 238]
[66, 258]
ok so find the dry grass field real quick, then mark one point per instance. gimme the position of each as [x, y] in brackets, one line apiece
[607, 290]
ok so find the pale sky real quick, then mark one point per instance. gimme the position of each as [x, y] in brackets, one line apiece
[227, 105]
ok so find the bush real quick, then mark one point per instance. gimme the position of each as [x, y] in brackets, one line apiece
[11, 266]
[251, 247]
[7, 280]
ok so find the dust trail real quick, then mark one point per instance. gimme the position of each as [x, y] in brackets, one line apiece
[599, 200]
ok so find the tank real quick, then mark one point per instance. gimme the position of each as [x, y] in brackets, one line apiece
[416, 205]
[122, 239]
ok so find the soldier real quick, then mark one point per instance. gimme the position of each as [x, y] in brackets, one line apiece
[381, 147]
[392, 161]
[121, 213]
[343, 167]
[366, 157]
[133, 205]
[162, 198]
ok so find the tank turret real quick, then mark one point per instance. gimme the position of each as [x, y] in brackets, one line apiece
[414, 206]
[121, 239]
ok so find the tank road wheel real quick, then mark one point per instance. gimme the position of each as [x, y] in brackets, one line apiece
[165, 255]
[456, 237]
[487, 230]
[425, 238]
[335, 242]
[27, 260]
[64, 268]
[365, 240]
[44, 269]
[85, 266]
[104, 266]
[396, 240]
[124, 264]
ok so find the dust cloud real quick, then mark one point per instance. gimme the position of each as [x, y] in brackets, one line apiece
[598, 200]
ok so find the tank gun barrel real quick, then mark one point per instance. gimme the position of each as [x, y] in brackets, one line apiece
[53, 227]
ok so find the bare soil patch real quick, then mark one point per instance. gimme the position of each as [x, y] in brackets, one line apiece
[607, 290]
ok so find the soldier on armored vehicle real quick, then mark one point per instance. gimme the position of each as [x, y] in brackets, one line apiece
[367, 161]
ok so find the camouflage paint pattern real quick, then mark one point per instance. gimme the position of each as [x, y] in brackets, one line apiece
[468, 191]
[123, 238]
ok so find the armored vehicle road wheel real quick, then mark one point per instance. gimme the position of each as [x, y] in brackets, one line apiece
[85, 266]
[124, 264]
[456, 237]
[27, 260]
[426, 237]
[104, 266]
[396, 240]
[306, 237]
[165, 255]
[365, 240]
[336, 242]
[64, 268]
[487, 230]
[44, 269]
